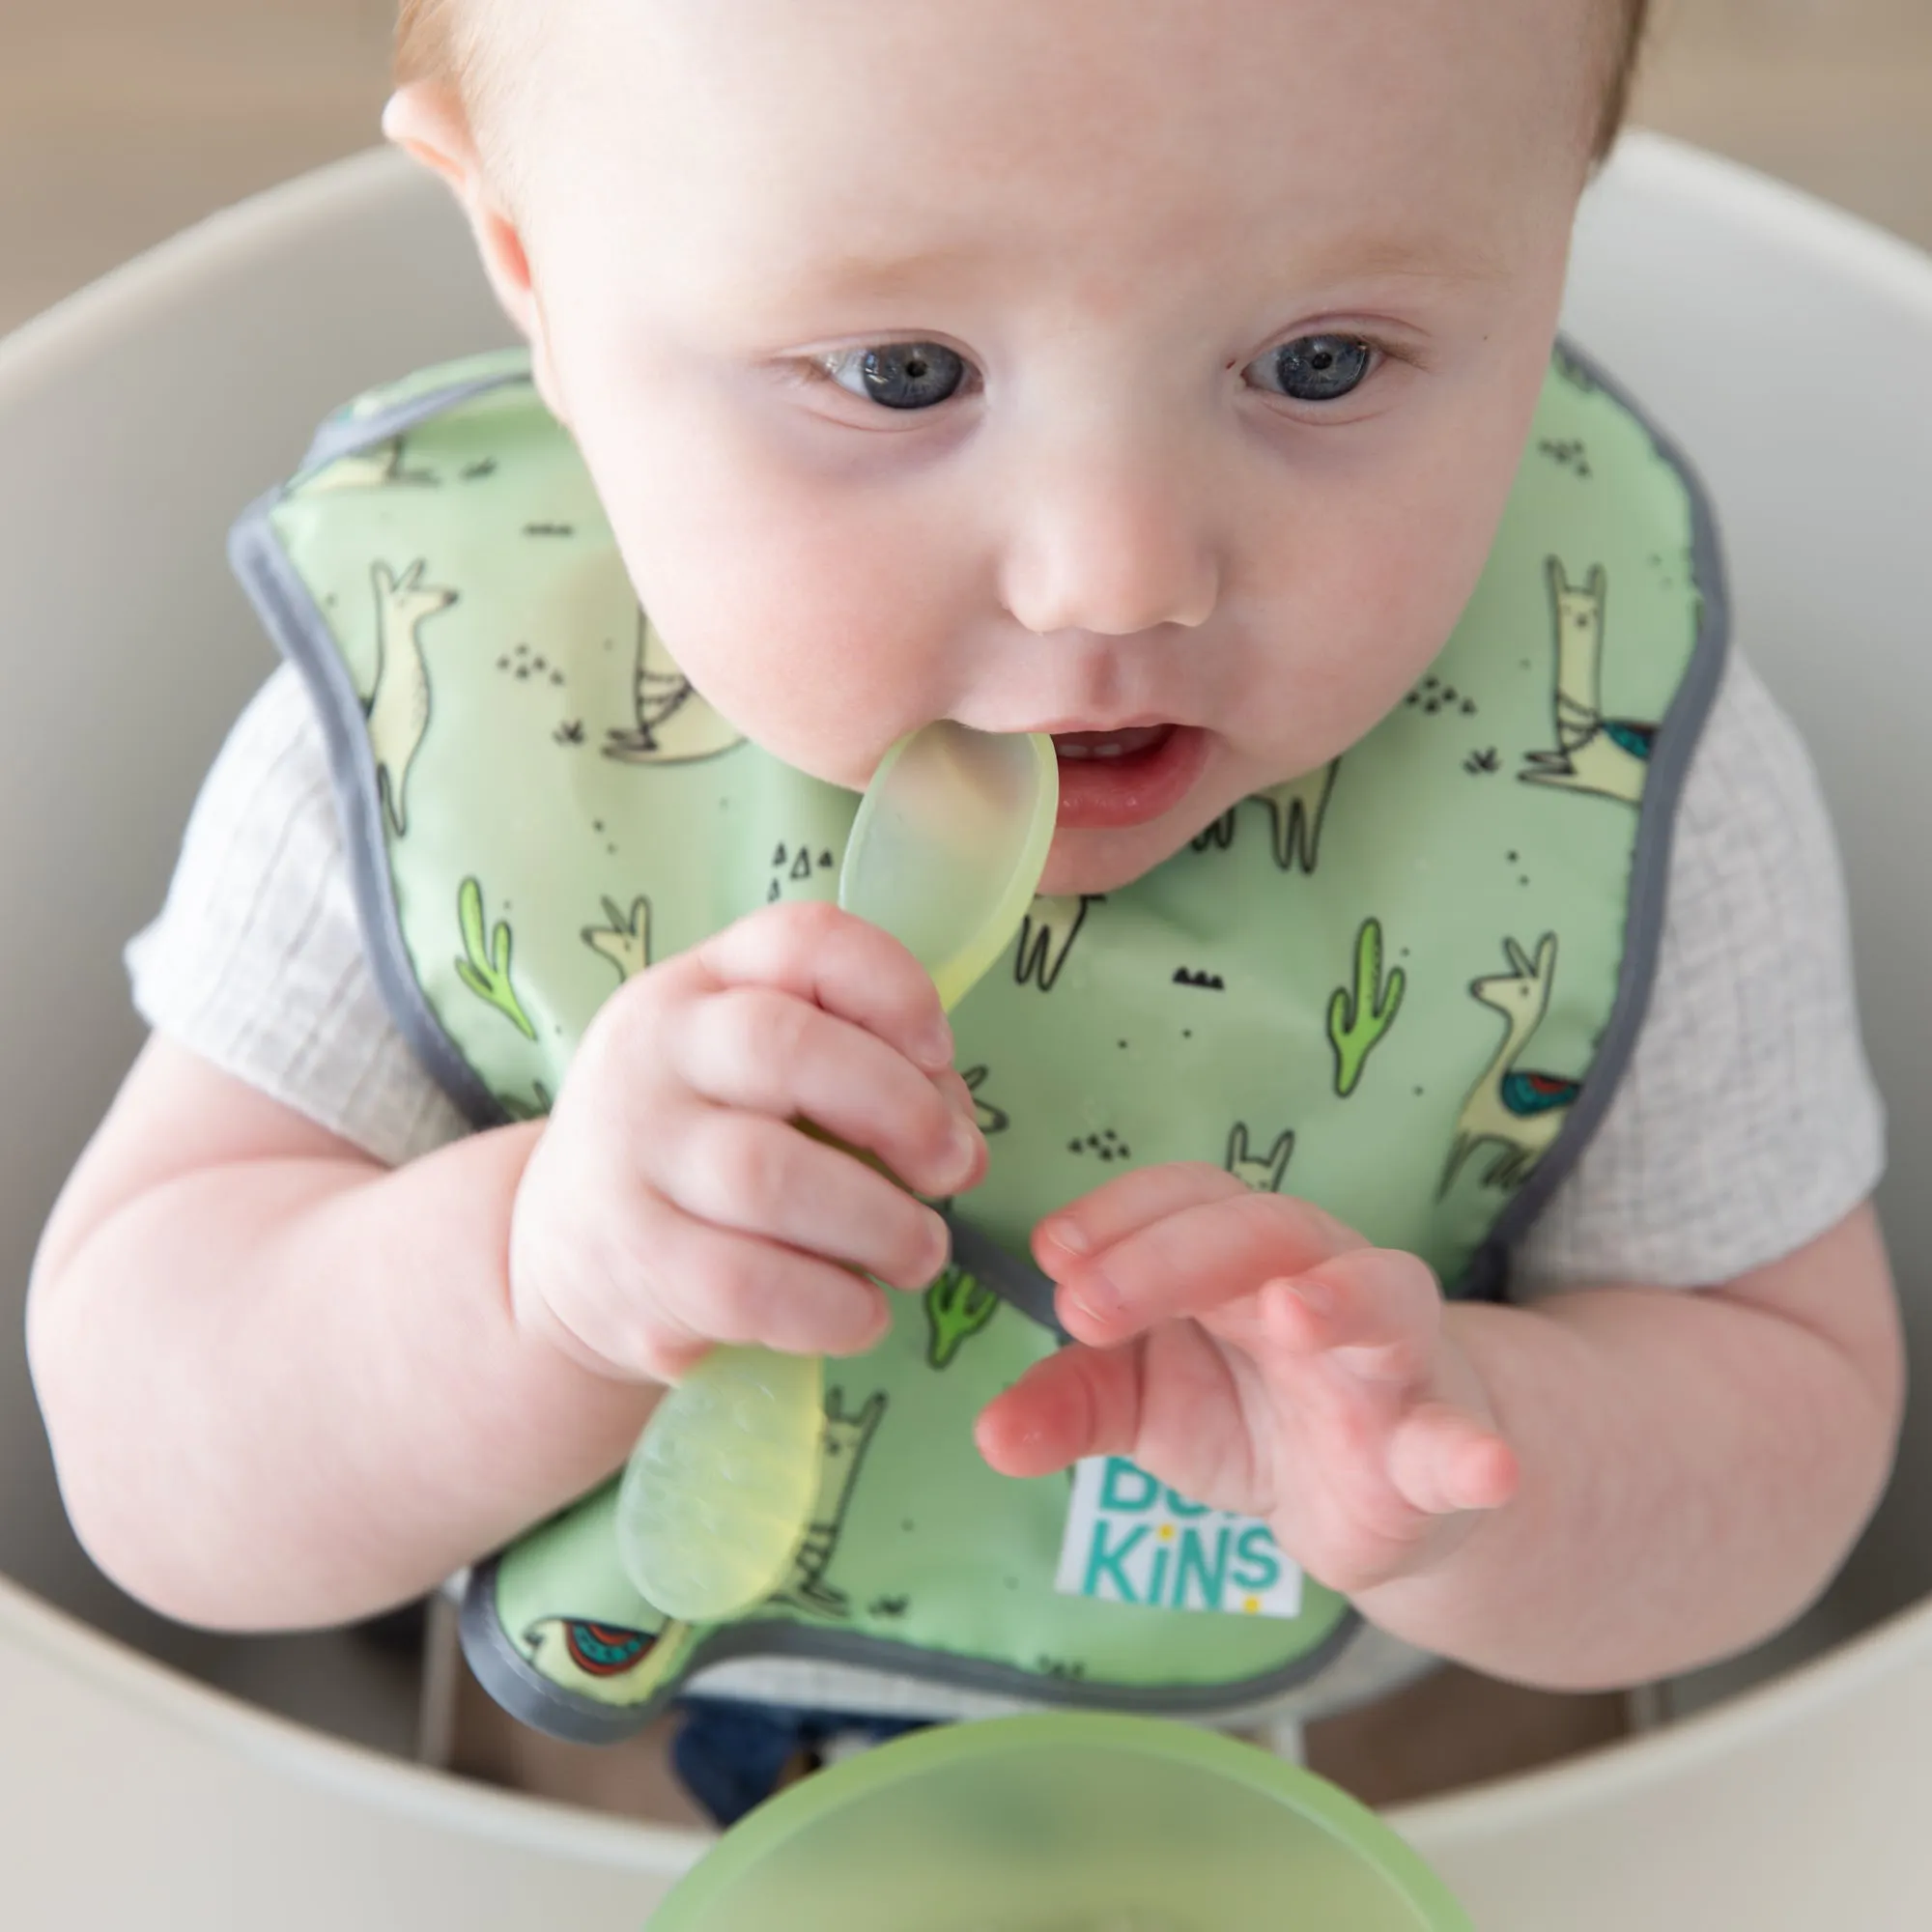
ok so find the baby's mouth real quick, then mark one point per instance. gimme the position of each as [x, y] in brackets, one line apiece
[1128, 776]
[1076, 746]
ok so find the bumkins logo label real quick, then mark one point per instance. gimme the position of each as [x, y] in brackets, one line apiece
[1130, 1541]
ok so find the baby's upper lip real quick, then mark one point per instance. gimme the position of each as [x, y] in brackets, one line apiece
[1138, 721]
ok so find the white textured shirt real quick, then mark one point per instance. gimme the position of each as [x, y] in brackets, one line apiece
[1745, 1123]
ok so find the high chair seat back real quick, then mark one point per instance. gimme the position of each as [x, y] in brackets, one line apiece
[1787, 347]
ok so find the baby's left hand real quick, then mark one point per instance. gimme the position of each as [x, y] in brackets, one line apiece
[1258, 1356]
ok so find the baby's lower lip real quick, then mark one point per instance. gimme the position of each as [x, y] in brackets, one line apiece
[1114, 779]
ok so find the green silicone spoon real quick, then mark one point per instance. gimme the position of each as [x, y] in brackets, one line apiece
[946, 854]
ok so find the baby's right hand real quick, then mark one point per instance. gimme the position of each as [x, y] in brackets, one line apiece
[675, 1203]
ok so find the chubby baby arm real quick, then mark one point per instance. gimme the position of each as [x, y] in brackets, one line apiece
[1607, 1487]
[285, 1386]
[280, 1380]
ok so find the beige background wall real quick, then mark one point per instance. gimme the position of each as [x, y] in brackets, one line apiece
[123, 119]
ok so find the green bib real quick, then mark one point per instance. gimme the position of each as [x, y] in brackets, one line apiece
[1401, 986]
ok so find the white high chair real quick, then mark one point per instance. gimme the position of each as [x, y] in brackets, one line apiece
[1788, 348]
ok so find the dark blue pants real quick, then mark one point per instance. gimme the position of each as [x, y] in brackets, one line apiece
[730, 1756]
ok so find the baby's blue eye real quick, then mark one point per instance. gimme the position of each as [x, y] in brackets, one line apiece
[898, 375]
[1314, 368]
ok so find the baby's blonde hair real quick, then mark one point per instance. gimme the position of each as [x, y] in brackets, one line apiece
[425, 46]
[430, 46]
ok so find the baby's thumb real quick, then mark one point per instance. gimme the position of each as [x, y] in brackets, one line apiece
[1442, 1462]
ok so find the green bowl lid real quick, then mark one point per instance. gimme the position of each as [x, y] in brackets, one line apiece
[1061, 1823]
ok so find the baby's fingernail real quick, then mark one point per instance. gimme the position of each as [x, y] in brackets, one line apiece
[1097, 1298]
[1314, 1296]
[939, 1248]
[963, 1145]
[1069, 1234]
[934, 1046]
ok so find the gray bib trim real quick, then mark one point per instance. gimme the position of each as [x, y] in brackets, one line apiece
[1487, 1278]
[535, 1700]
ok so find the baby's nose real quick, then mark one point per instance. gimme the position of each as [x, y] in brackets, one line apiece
[1111, 550]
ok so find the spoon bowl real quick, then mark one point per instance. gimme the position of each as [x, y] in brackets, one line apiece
[949, 846]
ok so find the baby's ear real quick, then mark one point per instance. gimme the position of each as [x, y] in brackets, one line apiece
[427, 119]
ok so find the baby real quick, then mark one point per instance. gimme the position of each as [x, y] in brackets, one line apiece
[1157, 376]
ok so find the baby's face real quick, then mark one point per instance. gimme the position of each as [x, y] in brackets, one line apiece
[1153, 370]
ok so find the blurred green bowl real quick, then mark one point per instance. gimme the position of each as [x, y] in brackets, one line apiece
[1061, 1824]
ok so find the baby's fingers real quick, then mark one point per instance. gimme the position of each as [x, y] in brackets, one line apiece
[836, 961]
[758, 1049]
[652, 1306]
[761, 1176]
[1077, 1403]
[1379, 1309]
[1192, 1259]
[1123, 1206]
[1442, 1462]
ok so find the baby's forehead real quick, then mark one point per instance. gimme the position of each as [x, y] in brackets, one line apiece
[1039, 88]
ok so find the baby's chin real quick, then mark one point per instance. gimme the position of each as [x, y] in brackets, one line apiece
[1090, 862]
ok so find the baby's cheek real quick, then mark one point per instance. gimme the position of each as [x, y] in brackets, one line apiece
[826, 699]
[813, 645]
[1375, 601]
[806, 630]
[809, 677]
[812, 704]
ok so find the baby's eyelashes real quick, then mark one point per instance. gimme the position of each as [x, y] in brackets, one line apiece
[1323, 367]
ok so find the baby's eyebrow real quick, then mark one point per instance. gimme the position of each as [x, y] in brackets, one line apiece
[856, 272]
[1313, 265]
[1396, 255]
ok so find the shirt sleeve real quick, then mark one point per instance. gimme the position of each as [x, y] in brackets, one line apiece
[257, 963]
[1747, 1122]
